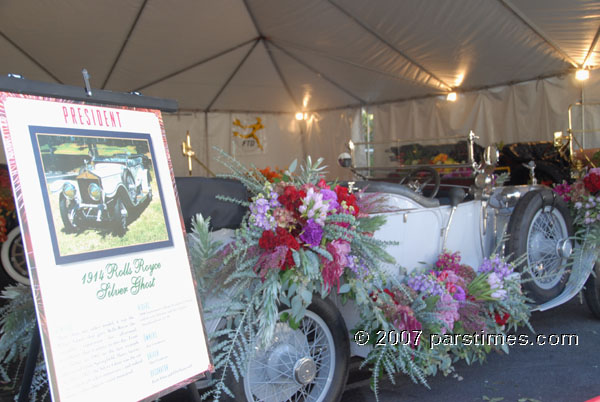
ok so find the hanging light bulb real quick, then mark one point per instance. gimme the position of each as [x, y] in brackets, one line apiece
[582, 74]
[451, 96]
[299, 116]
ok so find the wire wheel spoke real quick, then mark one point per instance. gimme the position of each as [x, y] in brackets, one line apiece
[271, 373]
[545, 262]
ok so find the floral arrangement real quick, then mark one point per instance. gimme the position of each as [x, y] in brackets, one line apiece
[304, 236]
[583, 199]
[449, 301]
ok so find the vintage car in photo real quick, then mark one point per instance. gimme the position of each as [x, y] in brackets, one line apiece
[106, 191]
[425, 216]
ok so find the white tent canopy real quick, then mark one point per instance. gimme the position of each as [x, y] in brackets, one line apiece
[274, 55]
[283, 56]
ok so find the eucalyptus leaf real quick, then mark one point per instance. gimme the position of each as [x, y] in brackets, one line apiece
[345, 288]
[306, 296]
[293, 166]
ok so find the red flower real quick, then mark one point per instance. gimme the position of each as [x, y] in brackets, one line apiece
[592, 182]
[286, 239]
[291, 198]
[267, 240]
[501, 319]
[389, 292]
[343, 195]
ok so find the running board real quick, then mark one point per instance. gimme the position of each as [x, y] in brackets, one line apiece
[583, 264]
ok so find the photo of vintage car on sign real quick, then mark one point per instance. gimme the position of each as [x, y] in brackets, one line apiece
[100, 192]
[108, 189]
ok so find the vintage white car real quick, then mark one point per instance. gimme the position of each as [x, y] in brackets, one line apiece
[107, 190]
[311, 363]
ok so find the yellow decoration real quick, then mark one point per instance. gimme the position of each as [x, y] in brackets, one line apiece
[189, 152]
[255, 127]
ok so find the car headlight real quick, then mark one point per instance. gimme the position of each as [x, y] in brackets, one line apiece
[95, 191]
[69, 190]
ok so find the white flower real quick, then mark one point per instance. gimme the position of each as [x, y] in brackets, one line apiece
[494, 281]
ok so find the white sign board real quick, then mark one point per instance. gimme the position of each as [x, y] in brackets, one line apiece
[114, 291]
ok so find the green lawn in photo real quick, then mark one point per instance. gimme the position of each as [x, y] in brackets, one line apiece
[149, 227]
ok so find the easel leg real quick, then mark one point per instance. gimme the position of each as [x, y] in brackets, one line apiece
[34, 351]
[193, 390]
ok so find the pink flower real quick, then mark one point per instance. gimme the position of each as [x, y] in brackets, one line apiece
[447, 312]
[333, 270]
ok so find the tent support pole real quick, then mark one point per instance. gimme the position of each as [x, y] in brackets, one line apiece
[206, 142]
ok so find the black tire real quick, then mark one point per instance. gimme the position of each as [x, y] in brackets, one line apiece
[332, 391]
[119, 217]
[131, 188]
[540, 227]
[68, 213]
[14, 261]
[591, 291]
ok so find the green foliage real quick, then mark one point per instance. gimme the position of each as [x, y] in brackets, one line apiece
[18, 323]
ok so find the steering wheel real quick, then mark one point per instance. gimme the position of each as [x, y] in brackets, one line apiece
[420, 177]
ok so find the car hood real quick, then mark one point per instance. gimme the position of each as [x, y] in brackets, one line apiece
[107, 169]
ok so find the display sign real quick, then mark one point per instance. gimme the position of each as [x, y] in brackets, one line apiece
[115, 297]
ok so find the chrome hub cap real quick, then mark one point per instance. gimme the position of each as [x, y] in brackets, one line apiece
[564, 248]
[305, 370]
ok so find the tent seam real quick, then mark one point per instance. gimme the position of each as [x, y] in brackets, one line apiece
[390, 45]
[125, 42]
[31, 58]
[235, 71]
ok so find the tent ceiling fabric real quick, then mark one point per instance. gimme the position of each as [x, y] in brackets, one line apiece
[286, 55]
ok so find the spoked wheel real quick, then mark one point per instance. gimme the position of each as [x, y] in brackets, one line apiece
[13, 257]
[540, 228]
[592, 291]
[119, 217]
[307, 364]
[132, 189]
[69, 214]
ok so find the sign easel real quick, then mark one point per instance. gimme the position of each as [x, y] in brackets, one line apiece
[116, 303]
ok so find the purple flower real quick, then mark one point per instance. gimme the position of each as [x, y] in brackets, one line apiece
[359, 267]
[496, 265]
[260, 213]
[312, 233]
[427, 284]
[331, 196]
[460, 294]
